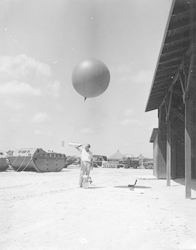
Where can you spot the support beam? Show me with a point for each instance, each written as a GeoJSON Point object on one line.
{"type": "Point", "coordinates": [178, 114]}
{"type": "Point", "coordinates": [168, 166]}
{"type": "Point", "coordinates": [183, 88]}
{"type": "Point", "coordinates": [188, 123]}
{"type": "Point", "coordinates": [189, 75]}
{"type": "Point", "coordinates": [169, 104]}
{"type": "Point", "coordinates": [171, 86]}
{"type": "Point", "coordinates": [189, 53]}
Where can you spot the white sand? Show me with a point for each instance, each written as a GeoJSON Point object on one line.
{"type": "Point", "coordinates": [48, 211]}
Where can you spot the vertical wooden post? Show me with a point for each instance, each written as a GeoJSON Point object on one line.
{"type": "Point", "coordinates": [168, 172]}
{"type": "Point", "coordinates": [173, 162]}
{"type": "Point", "coordinates": [188, 148]}
{"type": "Point", "coordinates": [162, 139]}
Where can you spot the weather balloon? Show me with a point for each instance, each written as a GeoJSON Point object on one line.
{"type": "Point", "coordinates": [90, 78]}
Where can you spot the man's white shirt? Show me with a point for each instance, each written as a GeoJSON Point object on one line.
{"type": "Point", "coordinates": [86, 156]}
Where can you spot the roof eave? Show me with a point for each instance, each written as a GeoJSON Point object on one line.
{"type": "Point", "coordinates": [160, 53]}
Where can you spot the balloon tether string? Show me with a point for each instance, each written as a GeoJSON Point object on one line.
{"type": "Point", "coordinates": [78, 120]}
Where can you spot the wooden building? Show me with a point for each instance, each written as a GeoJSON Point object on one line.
{"type": "Point", "coordinates": [159, 164]}
{"type": "Point", "coordinates": [173, 94]}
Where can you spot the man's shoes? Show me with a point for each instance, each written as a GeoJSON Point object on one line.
{"type": "Point", "coordinates": [90, 180]}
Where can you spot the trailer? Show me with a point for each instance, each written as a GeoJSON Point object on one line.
{"type": "Point", "coordinates": [36, 159]}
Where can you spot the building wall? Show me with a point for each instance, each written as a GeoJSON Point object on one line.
{"type": "Point", "coordinates": [155, 156]}
{"type": "Point", "coordinates": [178, 120]}
{"type": "Point", "coordinates": [178, 153]}
{"type": "Point", "coordinates": [162, 136]}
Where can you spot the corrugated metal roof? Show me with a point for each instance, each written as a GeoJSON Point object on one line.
{"type": "Point", "coordinates": [180, 32]}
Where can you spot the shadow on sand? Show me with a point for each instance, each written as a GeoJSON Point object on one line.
{"type": "Point", "coordinates": [181, 181]}
{"type": "Point", "coordinates": [94, 187]}
{"type": "Point", "coordinates": [66, 170]}
{"type": "Point", "coordinates": [140, 187]}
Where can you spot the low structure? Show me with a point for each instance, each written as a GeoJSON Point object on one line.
{"type": "Point", "coordinates": [159, 164]}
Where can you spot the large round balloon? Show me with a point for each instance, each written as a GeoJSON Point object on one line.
{"type": "Point", "coordinates": [90, 78]}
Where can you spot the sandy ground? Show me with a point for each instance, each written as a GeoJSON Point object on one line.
{"type": "Point", "coordinates": [48, 211]}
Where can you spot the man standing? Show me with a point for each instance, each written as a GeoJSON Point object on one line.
{"type": "Point", "coordinates": [86, 162]}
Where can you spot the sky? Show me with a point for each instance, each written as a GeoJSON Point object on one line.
{"type": "Point", "coordinates": [41, 41]}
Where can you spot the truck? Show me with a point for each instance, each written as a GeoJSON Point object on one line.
{"type": "Point", "coordinates": [148, 163]}
{"type": "Point", "coordinates": [99, 160]}
{"type": "Point", "coordinates": [130, 162]}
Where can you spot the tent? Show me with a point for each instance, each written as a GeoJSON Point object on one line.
{"type": "Point", "coordinates": [141, 157]}
{"type": "Point", "coordinates": [116, 156]}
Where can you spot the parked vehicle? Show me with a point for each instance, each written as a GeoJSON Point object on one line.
{"type": "Point", "coordinates": [121, 164]}
{"type": "Point", "coordinates": [36, 159]}
{"type": "Point", "coordinates": [135, 162]}
{"type": "Point", "coordinates": [70, 160]}
{"type": "Point", "coordinates": [148, 163]}
{"type": "Point", "coordinates": [99, 160]}
{"type": "Point", "coordinates": [3, 162]}
{"type": "Point", "coordinates": [130, 162]}
{"type": "Point", "coordinates": [77, 161]}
